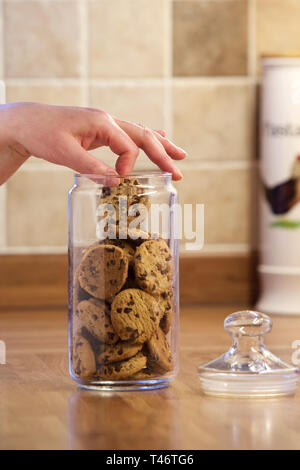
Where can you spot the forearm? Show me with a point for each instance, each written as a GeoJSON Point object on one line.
{"type": "Point", "coordinates": [12, 156]}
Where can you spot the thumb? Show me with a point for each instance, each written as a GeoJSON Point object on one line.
{"type": "Point", "coordinates": [78, 159]}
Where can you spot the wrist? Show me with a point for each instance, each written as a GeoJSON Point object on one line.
{"type": "Point", "coordinates": [10, 120]}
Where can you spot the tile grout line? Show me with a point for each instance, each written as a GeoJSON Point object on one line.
{"type": "Point", "coordinates": [217, 248]}
{"type": "Point", "coordinates": [209, 80]}
{"type": "Point", "coordinates": [2, 39]}
{"type": "Point", "coordinates": [252, 38]}
{"type": "Point", "coordinates": [83, 41]}
{"type": "Point", "coordinates": [43, 81]}
{"type": "Point", "coordinates": [3, 188]}
{"type": "Point", "coordinates": [217, 1]}
{"type": "Point", "coordinates": [93, 81]}
{"type": "Point", "coordinates": [168, 98]}
{"type": "Point", "coordinates": [66, 1]}
{"type": "Point", "coordinates": [48, 167]}
{"type": "Point", "coordinates": [209, 248]}
{"type": "Point", "coordinates": [24, 250]}
{"type": "Point", "coordinates": [42, 1]}
{"type": "Point", "coordinates": [214, 165]}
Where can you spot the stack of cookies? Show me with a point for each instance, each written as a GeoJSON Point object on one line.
{"type": "Point", "coordinates": [123, 304]}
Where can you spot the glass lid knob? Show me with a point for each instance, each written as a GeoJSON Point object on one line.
{"type": "Point", "coordinates": [247, 323]}
{"type": "Point", "coordinates": [248, 368]}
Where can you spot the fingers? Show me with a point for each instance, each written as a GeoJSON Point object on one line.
{"type": "Point", "coordinates": [152, 144]}
{"type": "Point", "coordinates": [121, 144]}
{"type": "Point", "coordinates": [161, 132]}
{"type": "Point", "coordinates": [157, 154]}
{"type": "Point", "coordinates": [125, 139]}
{"type": "Point", "coordinates": [175, 152]}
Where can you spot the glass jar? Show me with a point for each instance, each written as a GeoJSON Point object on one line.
{"type": "Point", "coordinates": [123, 281]}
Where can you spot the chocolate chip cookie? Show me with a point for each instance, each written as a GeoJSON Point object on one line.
{"type": "Point", "coordinates": [103, 271]}
{"type": "Point", "coordinates": [135, 315]}
{"type": "Point", "coordinates": [83, 360]}
{"type": "Point", "coordinates": [166, 303]}
{"type": "Point", "coordinates": [123, 369]}
{"type": "Point", "coordinates": [153, 266]}
{"type": "Point", "coordinates": [145, 374]}
{"type": "Point", "coordinates": [160, 357]}
{"type": "Point", "coordinates": [77, 293]}
{"type": "Point", "coordinates": [117, 352]}
{"type": "Point", "coordinates": [121, 198]}
{"type": "Point", "coordinates": [94, 315]}
{"type": "Point", "coordinates": [126, 247]}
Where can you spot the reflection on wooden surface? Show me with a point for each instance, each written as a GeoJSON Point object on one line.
{"type": "Point", "coordinates": [41, 408]}
{"type": "Point", "coordinates": [127, 420]}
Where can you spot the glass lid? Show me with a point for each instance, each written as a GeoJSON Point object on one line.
{"type": "Point", "coordinates": [248, 368]}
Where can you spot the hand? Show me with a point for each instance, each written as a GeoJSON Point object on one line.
{"type": "Point", "coordinates": [63, 135]}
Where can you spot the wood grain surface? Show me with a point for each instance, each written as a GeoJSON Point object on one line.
{"type": "Point", "coordinates": [41, 408]}
{"type": "Point", "coordinates": [41, 280]}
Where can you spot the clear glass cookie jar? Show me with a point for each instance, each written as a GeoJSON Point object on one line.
{"type": "Point", "coordinates": [123, 281]}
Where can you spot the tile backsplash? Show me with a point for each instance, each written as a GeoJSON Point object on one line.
{"type": "Point", "coordinates": [41, 39]}
{"type": "Point", "coordinates": [210, 38]}
{"type": "Point", "coordinates": [126, 38]}
{"type": "Point", "coordinates": [188, 66]}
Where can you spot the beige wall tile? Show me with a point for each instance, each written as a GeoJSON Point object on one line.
{"type": "Point", "coordinates": [215, 121]}
{"type": "Point", "coordinates": [210, 38]}
{"type": "Point", "coordinates": [41, 39]}
{"type": "Point", "coordinates": [64, 95]}
{"type": "Point", "coordinates": [226, 196]}
{"type": "Point", "coordinates": [277, 27]}
{"type": "Point", "coordinates": [141, 104]}
{"type": "Point", "coordinates": [34, 161]}
{"type": "Point", "coordinates": [127, 38]}
{"type": "Point", "coordinates": [137, 103]}
{"type": "Point", "coordinates": [37, 208]}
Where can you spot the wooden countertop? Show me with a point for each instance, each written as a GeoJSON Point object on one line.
{"type": "Point", "coordinates": [41, 408]}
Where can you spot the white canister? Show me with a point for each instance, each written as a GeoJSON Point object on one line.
{"type": "Point", "coordinates": [279, 267]}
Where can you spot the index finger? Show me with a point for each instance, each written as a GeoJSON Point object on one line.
{"type": "Point", "coordinates": [150, 142]}
{"type": "Point", "coordinates": [136, 131]}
